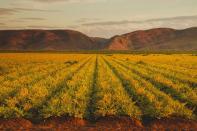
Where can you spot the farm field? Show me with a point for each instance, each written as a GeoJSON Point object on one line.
{"type": "Point", "coordinates": [90, 87]}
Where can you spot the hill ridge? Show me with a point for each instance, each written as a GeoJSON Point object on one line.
{"type": "Point", "coordinates": [65, 39]}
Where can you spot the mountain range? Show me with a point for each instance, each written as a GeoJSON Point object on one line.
{"type": "Point", "coordinates": [153, 39]}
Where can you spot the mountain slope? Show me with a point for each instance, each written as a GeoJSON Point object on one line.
{"type": "Point", "coordinates": [100, 42]}
{"type": "Point", "coordinates": [156, 39]}
{"type": "Point", "coordinates": [45, 40]}
{"type": "Point", "coordinates": [153, 39]}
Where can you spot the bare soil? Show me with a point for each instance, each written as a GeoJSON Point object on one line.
{"type": "Point", "coordinates": [106, 123]}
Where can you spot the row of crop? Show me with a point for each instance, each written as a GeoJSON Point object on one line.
{"type": "Point", "coordinates": [110, 97]}
{"type": "Point", "coordinates": [171, 86]}
{"type": "Point", "coordinates": [7, 67]}
{"type": "Point", "coordinates": [13, 68]}
{"type": "Point", "coordinates": [186, 61]}
{"type": "Point", "coordinates": [26, 75]}
{"type": "Point", "coordinates": [73, 99]}
{"type": "Point", "coordinates": [174, 76]}
{"type": "Point", "coordinates": [176, 69]}
{"type": "Point", "coordinates": [21, 70]}
{"type": "Point", "coordinates": [10, 87]}
{"type": "Point", "coordinates": [32, 96]}
{"type": "Point", "coordinates": [152, 102]}
{"type": "Point", "coordinates": [175, 63]}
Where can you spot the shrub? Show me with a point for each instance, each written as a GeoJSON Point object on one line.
{"type": "Point", "coordinates": [141, 62]}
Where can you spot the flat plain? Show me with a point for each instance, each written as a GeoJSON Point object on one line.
{"type": "Point", "coordinates": [91, 87]}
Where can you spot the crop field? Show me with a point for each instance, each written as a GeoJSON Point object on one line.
{"type": "Point", "coordinates": [91, 86]}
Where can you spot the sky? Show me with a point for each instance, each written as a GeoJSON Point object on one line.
{"type": "Point", "coordinates": [98, 18]}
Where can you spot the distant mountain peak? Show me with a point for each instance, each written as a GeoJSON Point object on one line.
{"type": "Point", "coordinates": [152, 39]}
{"type": "Point", "coordinates": [155, 39]}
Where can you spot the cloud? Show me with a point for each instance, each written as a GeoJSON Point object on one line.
{"type": "Point", "coordinates": [124, 22]}
{"type": "Point", "coordinates": [84, 20]}
{"type": "Point", "coordinates": [33, 18]}
{"type": "Point", "coordinates": [6, 27]}
{"type": "Point", "coordinates": [51, 0]}
{"type": "Point", "coordinates": [28, 19]}
{"type": "Point", "coordinates": [44, 27]}
{"type": "Point", "coordinates": [70, 1]}
{"type": "Point", "coordinates": [105, 32]}
{"type": "Point", "coordinates": [6, 11]}
{"type": "Point", "coordinates": [194, 17]}
{"type": "Point", "coordinates": [108, 23]}
{"type": "Point", "coordinates": [2, 23]}
{"type": "Point", "coordinates": [32, 9]}
{"type": "Point", "coordinates": [111, 28]}
{"type": "Point", "coordinates": [16, 21]}
{"type": "Point", "coordinates": [12, 11]}
{"type": "Point", "coordinates": [73, 26]}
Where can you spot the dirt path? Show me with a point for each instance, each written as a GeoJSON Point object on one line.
{"type": "Point", "coordinates": [108, 123]}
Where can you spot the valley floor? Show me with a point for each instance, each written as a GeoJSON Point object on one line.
{"type": "Point", "coordinates": [107, 91]}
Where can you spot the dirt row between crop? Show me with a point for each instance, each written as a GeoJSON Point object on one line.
{"type": "Point", "coordinates": [107, 123]}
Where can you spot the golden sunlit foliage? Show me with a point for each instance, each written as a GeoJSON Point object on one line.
{"type": "Point", "coordinates": [42, 85]}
